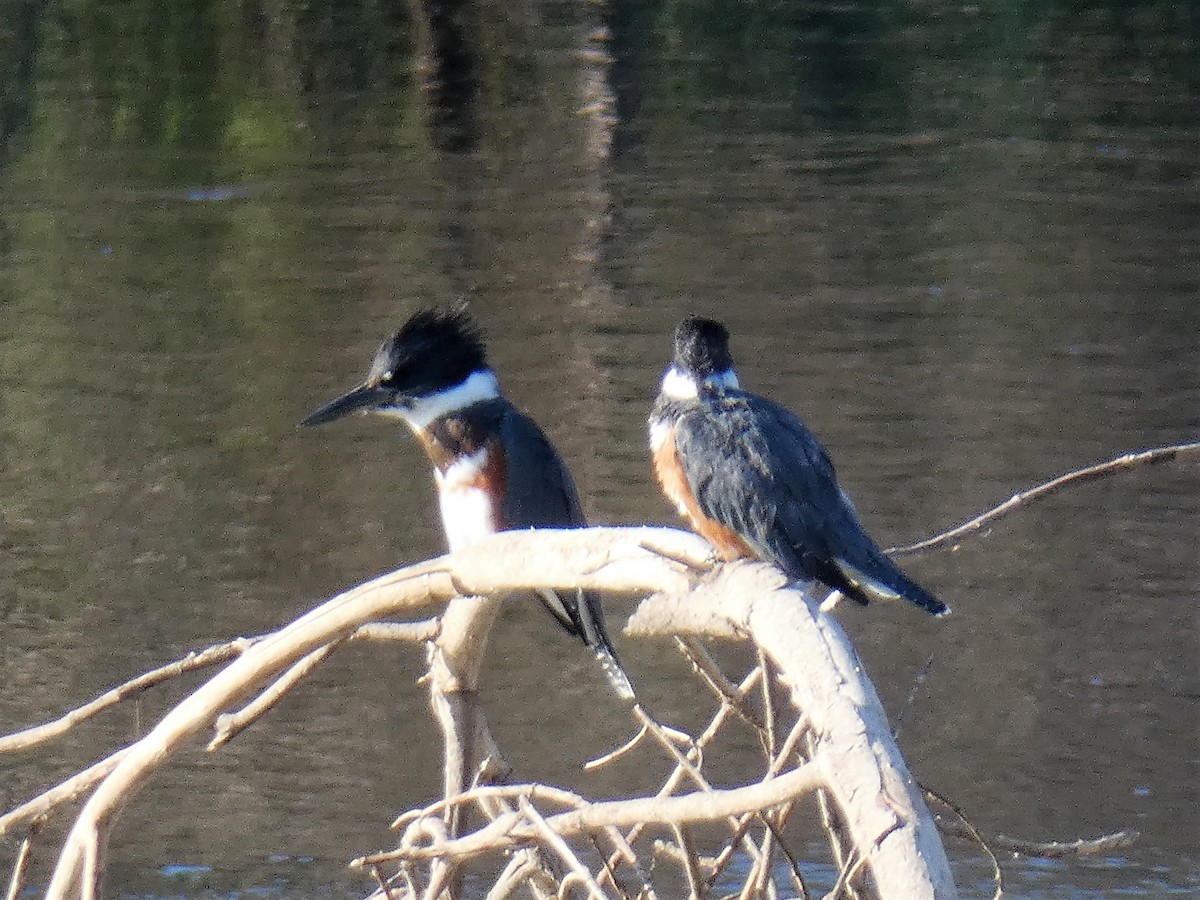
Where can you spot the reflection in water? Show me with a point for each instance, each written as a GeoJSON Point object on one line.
{"type": "Point", "coordinates": [961, 243]}
{"type": "Point", "coordinates": [451, 71]}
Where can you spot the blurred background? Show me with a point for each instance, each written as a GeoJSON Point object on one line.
{"type": "Point", "coordinates": [961, 240]}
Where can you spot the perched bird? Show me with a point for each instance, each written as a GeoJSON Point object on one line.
{"type": "Point", "coordinates": [754, 481]}
{"type": "Point", "coordinates": [494, 467]}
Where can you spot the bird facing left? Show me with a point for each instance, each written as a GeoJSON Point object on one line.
{"type": "Point", "coordinates": [494, 468]}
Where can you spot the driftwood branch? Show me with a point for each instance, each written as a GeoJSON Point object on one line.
{"type": "Point", "coordinates": [65, 792]}
{"type": "Point", "coordinates": [840, 730]}
{"type": "Point", "coordinates": [27, 738]}
{"type": "Point", "coordinates": [855, 751]}
{"type": "Point", "coordinates": [613, 559]}
{"type": "Point", "coordinates": [1106, 843]}
{"type": "Point", "coordinates": [855, 758]}
{"type": "Point", "coordinates": [39, 734]}
{"type": "Point", "coordinates": [1124, 463]}
{"type": "Point", "coordinates": [513, 830]}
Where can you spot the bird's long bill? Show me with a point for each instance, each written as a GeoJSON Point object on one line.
{"type": "Point", "coordinates": [362, 399]}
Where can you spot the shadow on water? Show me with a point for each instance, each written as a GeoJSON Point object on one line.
{"type": "Point", "coordinates": [961, 241]}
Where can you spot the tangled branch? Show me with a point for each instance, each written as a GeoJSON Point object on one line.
{"type": "Point", "coordinates": [836, 741]}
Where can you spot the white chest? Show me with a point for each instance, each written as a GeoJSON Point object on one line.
{"type": "Point", "coordinates": [467, 516]}
{"type": "Point", "coordinates": [468, 513]}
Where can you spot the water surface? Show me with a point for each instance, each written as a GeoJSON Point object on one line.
{"type": "Point", "coordinates": [963, 243]}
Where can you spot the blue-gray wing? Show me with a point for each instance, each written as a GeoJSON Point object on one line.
{"type": "Point", "coordinates": [540, 493]}
{"type": "Point", "coordinates": [755, 468]}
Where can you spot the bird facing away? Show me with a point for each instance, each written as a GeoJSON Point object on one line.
{"type": "Point", "coordinates": [494, 468]}
{"type": "Point", "coordinates": [754, 481]}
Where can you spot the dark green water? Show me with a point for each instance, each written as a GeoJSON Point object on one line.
{"type": "Point", "coordinates": [962, 241]}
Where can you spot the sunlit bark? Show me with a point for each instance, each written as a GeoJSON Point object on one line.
{"type": "Point", "coordinates": [856, 760]}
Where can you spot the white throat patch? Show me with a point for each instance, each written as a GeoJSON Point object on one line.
{"type": "Point", "coordinates": [681, 386]}
{"type": "Point", "coordinates": [475, 388]}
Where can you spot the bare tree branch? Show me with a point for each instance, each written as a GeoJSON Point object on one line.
{"type": "Point", "coordinates": [857, 763]}
{"type": "Point", "coordinates": [1106, 843]}
{"type": "Point", "coordinates": [1125, 463]}
{"type": "Point", "coordinates": [410, 632]}
{"type": "Point", "coordinates": [39, 734]}
{"type": "Point", "coordinates": [880, 800]}
{"type": "Point", "coordinates": [510, 831]}
{"type": "Point", "coordinates": [619, 560]}
{"type": "Point", "coordinates": [65, 792]}
{"type": "Point", "coordinates": [17, 881]}
{"type": "Point", "coordinates": [230, 725]}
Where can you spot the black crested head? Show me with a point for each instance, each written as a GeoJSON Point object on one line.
{"type": "Point", "coordinates": [702, 348]}
{"type": "Point", "coordinates": [434, 350]}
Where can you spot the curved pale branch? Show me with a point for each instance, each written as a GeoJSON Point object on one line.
{"type": "Point", "coordinates": [617, 559]}
{"type": "Point", "coordinates": [856, 755]}
{"type": "Point", "coordinates": [1124, 463]}
{"type": "Point", "coordinates": [27, 738]}
{"type": "Point", "coordinates": [856, 758]}
{"type": "Point", "coordinates": [513, 830]}
{"type": "Point", "coordinates": [64, 792]}
{"type": "Point", "coordinates": [39, 734]}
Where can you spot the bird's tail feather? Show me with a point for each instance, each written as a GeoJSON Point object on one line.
{"type": "Point", "coordinates": [890, 584]}
{"type": "Point", "coordinates": [591, 616]}
{"type": "Point", "coordinates": [585, 620]}
{"type": "Point", "coordinates": [616, 675]}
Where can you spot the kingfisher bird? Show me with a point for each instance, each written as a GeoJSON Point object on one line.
{"type": "Point", "coordinates": [494, 468]}
{"type": "Point", "coordinates": [752, 480]}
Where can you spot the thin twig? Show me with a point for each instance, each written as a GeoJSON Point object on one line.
{"type": "Point", "coordinates": [672, 851]}
{"type": "Point", "coordinates": [554, 840]}
{"type": "Point", "coordinates": [64, 792]}
{"type": "Point", "coordinates": [777, 765]}
{"type": "Point", "coordinates": [542, 792]}
{"type": "Point", "coordinates": [690, 862]}
{"type": "Point", "coordinates": [230, 725]}
{"type": "Point", "coordinates": [724, 711]}
{"type": "Point", "coordinates": [973, 833]}
{"type": "Point", "coordinates": [1123, 463]}
{"type": "Point", "coordinates": [383, 885]}
{"type": "Point", "coordinates": [16, 883]}
{"type": "Point", "coordinates": [410, 886]}
{"type": "Point", "coordinates": [791, 745]}
{"type": "Point", "coordinates": [607, 872]}
{"type": "Point", "coordinates": [785, 813]}
{"type": "Point", "coordinates": [752, 883]}
{"type": "Point", "coordinates": [1059, 849]}
{"type": "Point", "coordinates": [409, 632]}
{"type": "Point", "coordinates": [627, 854]}
{"type": "Point", "coordinates": [616, 754]}
{"type": "Point", "coordinates": [764, 727]}
{"type": "Point", "coordinates": [517, 871]}
{"type": "Point", "coordinates": [853, 865]}
{"type": "Point", "coordinates": [768, 736]}
{"type": "Point", "coordinates": [656, 730]}
{"type": "Point", "coordinates": [693, 769]}
{"type": "Point", "coordinates": [39, 734]}
{"type": "Point", "coordinates": [706, 667]}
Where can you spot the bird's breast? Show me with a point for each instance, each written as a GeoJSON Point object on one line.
{"type": "Point", "coordinates": [470, 495]}
{"type": "Point", "coordinates": [668, 468]}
